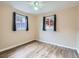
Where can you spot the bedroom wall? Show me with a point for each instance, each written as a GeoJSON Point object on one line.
{"type": "Point", "coordinates": [0, 26]}
{"type": "Point", "coordinates": [9, 38]}
{"type": "Point", "coordinates": [77, 29]}
{"type": "Point", "coordinates": [66, 28]}
{"type": "Point", "coordinates": [64, 36]}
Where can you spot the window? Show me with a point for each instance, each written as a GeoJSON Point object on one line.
{"type": "Point", "coordinates": [49, 23]}
{"type": "Point", "coordinates": [20, 22]}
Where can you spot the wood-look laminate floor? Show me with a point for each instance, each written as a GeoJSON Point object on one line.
{"type": "Point", "coordinates": [39, 50]}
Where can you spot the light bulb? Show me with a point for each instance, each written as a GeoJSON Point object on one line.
{"type": "Point", "coordinates": [36, 3]}
{"type": "Point", "coordinates": [36, 8]}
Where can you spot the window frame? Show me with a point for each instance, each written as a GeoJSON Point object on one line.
{"type": "Point", "coordinates": [14, 22]}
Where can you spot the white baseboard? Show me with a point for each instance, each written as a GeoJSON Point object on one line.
{"type": "Point", "coordinates": [37, 40]}
{"type": "Point", "coordinates": [10, 47]}
{"type": "Point", "coordinates": [57, 44]}
{"type": "Point", "coordinates": [77, 51]}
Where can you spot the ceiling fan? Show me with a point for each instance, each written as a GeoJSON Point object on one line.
{"type": "Point", "coordinates": [37, 5]}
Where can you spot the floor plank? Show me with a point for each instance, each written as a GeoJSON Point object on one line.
{"type": "Point", "coordinates": [39, 50]}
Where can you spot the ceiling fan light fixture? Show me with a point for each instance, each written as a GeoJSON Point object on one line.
{"type": "Point", "coordinates": [36, 5]}
{"type": "Point", "coordinates": [36, 8]}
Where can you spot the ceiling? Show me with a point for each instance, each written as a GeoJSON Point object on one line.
{"type": "Point", "coordinates": [45, 6]}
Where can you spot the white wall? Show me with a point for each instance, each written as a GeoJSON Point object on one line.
{"type": "Point", "coordinates": [64, 36]}
{"type": "Point", "coordinates": [0, 26]}
{"type": "Point", "coordinates": [66, 29]}
{"type": "Point", "coordinates": [77, 29]}
{"type": "Point", "coordinates": [9, 38]}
